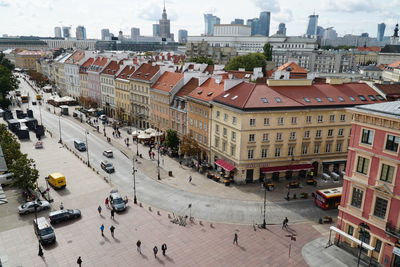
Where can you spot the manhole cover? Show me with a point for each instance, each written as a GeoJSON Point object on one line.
{"type": "Point", "coordinates": [208, 205]}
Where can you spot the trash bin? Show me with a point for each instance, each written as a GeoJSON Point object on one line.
{"type": "Point", "coordinates": [170, 173]}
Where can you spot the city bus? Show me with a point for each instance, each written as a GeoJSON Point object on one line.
{"type": "Point", "coordinates": [328, 198]}
{"type": "Point", "coordinates": [24, 98]}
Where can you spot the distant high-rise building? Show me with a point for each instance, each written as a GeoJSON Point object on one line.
{"type": "Point", "coordinates": [381, 32]}
{"type": "Point", "coordinates": [120, 35]}
{"type": "Point", "coordinates": [329, 34]}
{"type": "Point", "coordinates": [365, 34]}
{"type": "Point", "coordinates": [156, 29]}
{"type": "Point", "coordinates": [281, 29]}
{"type": "Point", "coordinates": [165, 30]}
{"type": "Point", "coordinates": [264, 22]}
{"type": "Point", "coordinates": [312, 25]}
{"type": "Point", "coordinates": [66, 32]}
{"type": "Point", "coordinates": [135, 32]}
{"type": "Point", "coordinates": [320, 31]}
{"type": "Point", "coordinates": [172, 36]}
{"type": "Point", "coordinates": [182, 36]}
{"type": "Point", "coordinates": [209, 21]}
{"type": "Point", "coordinates": [253, 23]}
{"type": "Point", "coordinates": [80, 33]}
{"type": "Point", "coordinates": [105, 34]}
{"type": "Point", "coordinates": [238, 22]}
{"type": "Point", "coordinates": [57, 32]}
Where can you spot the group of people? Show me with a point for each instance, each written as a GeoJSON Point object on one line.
{"type": "Point", "coordinates": [151, 154]}
{"type": "Point", "coordinates": [155, 248]}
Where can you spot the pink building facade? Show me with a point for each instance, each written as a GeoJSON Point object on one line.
{"type": "Point", "coordinates": [94, 88]}
{"type": "Point", "coordinates": [371, 187]}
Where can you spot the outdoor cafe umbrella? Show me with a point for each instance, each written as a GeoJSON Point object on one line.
{"type": "Point", "coordinates": [149, 130]}
{"type": "Point", "coordinates": [136, 133]}
{"type": "Point", "coordinates": [144, 136]}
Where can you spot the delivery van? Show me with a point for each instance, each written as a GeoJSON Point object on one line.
{"type": "Point", "coordinates": [57, 180]}
{"type": "Point", "coordinates": [44, 231]}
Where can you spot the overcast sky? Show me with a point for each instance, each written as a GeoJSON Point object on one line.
{"type": "Point", "coordinates": [39, 17]}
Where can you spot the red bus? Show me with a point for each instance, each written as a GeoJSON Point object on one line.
{"type": "Point", "coordinates": [328, 198]}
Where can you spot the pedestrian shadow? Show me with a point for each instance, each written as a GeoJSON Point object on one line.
{"type": "Point", "coordinates": [116, 240]}
{"type": "Point", "coordinates": [290, 230]}
{"type": "Point", "coordinates": [144, 256]}
{"type": "Point", "coordinates": [242, 248]}
{"type": "Point", "coordinates": [169, 259]}
{"type": "Point", "coordinates": [102, 216]}
{"type": "Point", "coordinates": [160, 261]}
{"type": "Point", "coordinates": [114, 220]}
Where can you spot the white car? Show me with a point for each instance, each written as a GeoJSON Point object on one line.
{"type": "Point", "coordinates": [103, 117]}
{"type": "Point", "coordinates": [108, 153]}
{"type": "Point", "coordinates": [29, 207]}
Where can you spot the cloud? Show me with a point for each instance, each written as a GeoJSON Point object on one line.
{"type": "Point", "coordinates": [285, 15]}
{"type": "Point", "coordinates": [268, 5]}
{"type": "Point", "coordinates": [4, 3]}
{"type": "Point", "coordinates": [351, 6]}
{"type": "Point", "coordinates": [153, 12]}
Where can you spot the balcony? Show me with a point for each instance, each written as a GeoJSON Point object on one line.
{"type": "Point", "coordinates": [392, 230]}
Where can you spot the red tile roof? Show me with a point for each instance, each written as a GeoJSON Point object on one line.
{"type": "Point", "coordinates": [208, 90]}
{"type": "Point", "coordinates": [145, 72]}
{"type": "Point", "coordinates": [292, 67]}
{"type": "Point", "coordinates": [191, 85]}
{"type": "Point", "coordinates": [240, 74]}
{"type": "Point", "coordinates": [167, 81]}
{"type": "Point", "coordinates": [209, 69]}
{"type": "Point", "coordinates": [98, 64]}
{"type": "Point", "coordinates": [126, 72]}
{"type": "Point", "coordinates": [395, 64]}
{"type": "Point", "coordinates": [369, 48]}
{"type": "Point", "coordinates": [85, 66]}
{"type": "Point", "coordinates": [261, 96]}
{"type": "Point", "coordinates": [112, 68]}
{"type": "Point", "coordinates": [75, 57]}
{"type": "Point", "coordinates": [389, 89]}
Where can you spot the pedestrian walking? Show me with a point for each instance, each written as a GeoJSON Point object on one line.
{"type": "Point", "coordinates": [79, 261]}
{"type": "Point", "coordinates": [155, 250]}
{"type": "Point", "coordinates": [235, 239]}
{"type": "Point", "coordinates": [112, 214]}
{"type": "Point", "coordinates": [285, 223]}
{"type": "Point", "coordinates": [138, 244]}
{"type": "Point", "coordinates": [106, 201]}
{"type": "Point", "coordinates": [190, 179]}
{"type": "Point", "coordinates": [102, 229]}
{"type": "Point", "coordinates": [61, 206]}
{"type": "Point", "coordinates": [180, 163]}
{"type": "Point", "coordinates": [112, 229]}
{"type": "Point", "coordinates": [99, 210]}
{"type": "Point", "coordinates": [164, 248]}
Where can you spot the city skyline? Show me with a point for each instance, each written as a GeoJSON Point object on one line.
{"type": "Point", "coordinates": [43, 16]}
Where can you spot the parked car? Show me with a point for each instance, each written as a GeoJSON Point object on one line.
{"type": "Point", "coordinates": [107, 166]}
{"type": "Point", "coordinates": [117, 203]}
{"type": "Point", "coordinates": [44, 231]}
{"type": "Point", "coordinates": [108, 153]}
{"type": "Point", "coordinates": [103, 117]}
{"type": "Point", "coordinates": [29, 207]}
{"type": "Point", "coordinates": [64, 215]}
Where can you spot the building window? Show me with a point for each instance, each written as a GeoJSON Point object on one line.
{"type": "Point", "coordinates": [318, 133]}
{"type": "Point", "coordinates": [225, 117]}
{"type": "Point", "coordinates": [216, 126]}
{"type": "Point", "coordinates": [340, 132]}
{"type": "Point", "coordinates": [250, 154]}
{"type": "Point", "coordinates": [378, 245]}
{"type": "Point", "coordinates": [233, 150]}
{"type": "Point", "coordinates": [233, 136]}
{"type": "Point", "coordinates": [316, 148]}
{"type": "Point", "coordinates": [356, 198]}
{"type": "Point", "coordinates": [224, 131]}
{"type": "Point", "coordinates": [234, 120]}
{"type": "Point", "coordinates": [216, 142]}
{"type": "Point", "coordinates": [328, 148]}
{"type": "Point", "coordinates": [224, 146]}
{"type": "Point", "coordinates": [320, 118]}
{"type": "Point", "coordinates": [304, 150]}
{"type": "Point", "coordinates": [387, 173]}
{"type": "Point", "coordinates": [251, 137]}
{"type": "Point", "coordinates": [392, 143]}
{"type": "Point", "coordinates": [290, 151]}
{"type": "Point", "coordinates": [252, 122]}
{"type": "Point", "coordinates": [362, 165]}
{"type": "Point", "coordinates": [350, 230]}
{"type": "Point", "coordinates": [265, 137]}
{"type": "Point", "coordinates": [367, 136]}
{"type": "Point", "coordinates": [307, 134]}
{"type": "Point", "coordinates": [278, 136]}
{"type": "Point", "coordinates": [339, 147]}
{"type": "Point", "coordinates": [308, 119]}
{"type": "Point", "coordinates": [280, 121]}
{"type": "Point", "coordinates": [218, 113]}
{"type": "Point", "coordinates": [264, 153]}
{"type": "Point", "coordinates": [332, 118]}
{"type": "Point", "coordinates": [330, 132]}
{"type": "Point", "coordinates": [380, 207]}
{"type": "Point", "coordinates": [343, 117]}
{"type": "Point", "coordinates": [294, 120]}
{"type": "Point", "coordinates": [277, 151]}
{"type": "Point", "coordinates": [292, 136]}
{"type": "Point", "coordinates": [266, 121]}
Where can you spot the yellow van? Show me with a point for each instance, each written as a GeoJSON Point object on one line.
{"type": "Point", "coordinates": [57, 180]}
{"type": "Point", "coordinates": [38, 97]}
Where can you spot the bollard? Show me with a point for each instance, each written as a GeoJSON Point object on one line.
{"type": "Point", "coordinates": [211, 225]}
{"type": "Point", "coordinates": [158, 213]}
{"type": "Point", "coordinates": [150, 209]}
{"type": "Point", "coordinates": [140, 205]}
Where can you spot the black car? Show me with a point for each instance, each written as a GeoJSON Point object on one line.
{"type": "Point", "coordinates": [63, 215]}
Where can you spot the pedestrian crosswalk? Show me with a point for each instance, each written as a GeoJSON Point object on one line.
{"type": "Point", "coordinates": [3, 198]}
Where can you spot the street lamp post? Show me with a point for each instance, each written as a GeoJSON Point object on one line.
{"type": "Point", "coordinates": [134, 180]}
{"type": "Point", "coordinates": [59, 126]}
{"type": "Point", "coordinates": [158, 159]}
{"type": "Point", "coordinates": [264, 224]}
{"type": "Point", "coordinates": [87, 148]}
{"type": "Point", "coordinates": [40, 113]}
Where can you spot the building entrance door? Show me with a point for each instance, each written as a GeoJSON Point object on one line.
{"type": "Point", "coordinates": [249, 175]}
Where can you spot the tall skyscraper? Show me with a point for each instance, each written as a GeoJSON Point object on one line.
{"type": "Point", "coordinates": [238, 22]}
{"type": "Point", "coordinates": [381, 31]}
{"type": "Point", "coordinates": [80, 33]}
{"type": "Point", "coordinates": [135, 32]}
{"type": "Point", "coordinates": [165, 30]}
{"type": "Point", "coordinates": [253, 23]}
{"type": "Point", "coordinates": [281, 29]}
{"type": "Point", "coordinates": [264, 22]}
{"type": "Point", "coordinates": [57, 32]}
{"type": "Point", "coordinates": [209, 21]}
{"type": "Point", "coordinates": [320, 31]}
{"type": "Point", "coordinates": [182, 36]}
{"type": "Point", "coordinates": [120, 36]}
{"type": "Point", "coordinates": [66, 32]}
{"type": "Point", "coordinates": [156, 29]}
{"type": "Point", "coordinates": [312, 25]}
{"type": "Point", "coordinates": [105, 35]}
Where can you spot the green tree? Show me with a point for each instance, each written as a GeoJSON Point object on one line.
{"type": "Point", "coordinates": [202, 60]}
{"type": "Point", "coordinates": [248, 62]}
{"type": "Point", "coordinates": [7, 81]}
{"type": "Point", "coordinates": [172, 140]}
{"type": "Point", "coordinates": [9, 145]}
{"type": "Point", "coordinates": [189, 146]}
{"type": "Point", "coordinates": [5, 62]}
{"type": "Point", "coordinates": [268, 51]}
{"type": "Point", "coordinates": [39, 79]}
{"type": "Point", "coordinates": [25, 174]}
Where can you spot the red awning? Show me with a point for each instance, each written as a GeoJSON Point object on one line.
{"type": "Point", "coordinates": [295, 167]}
{"type": "Point", "coordinates": [225, 165]}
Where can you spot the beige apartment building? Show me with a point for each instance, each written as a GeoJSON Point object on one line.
{"type": "Point", "coordinates": [123, 94]}
{"type": "Point", "coordinates": [280, 129]}
{"type": "Point", "coordinates": [83, 77]}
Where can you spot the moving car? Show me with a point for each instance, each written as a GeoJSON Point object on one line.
{"type": "Point", "coordinates": [64, 215]}
{"type": "Point", "coordinates": [81, 146]}
{"type": "Point", "coordinates": [44, 231]}
{"type": "Point", "coordinates": [103, 117]}
{"type": "Point", "coordinates": [108, 153]}
{"type": "Point", "coordinates": [57, 180]}
{"type": "Point", "coordinates": [117, 203]}
{"type": "Point", "coordinates": [107, 166]}
{"type": "Point", "coordinates": [29, 207]}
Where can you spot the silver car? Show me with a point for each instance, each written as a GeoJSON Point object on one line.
{"type": "Point", "coordinates": [29, 207]}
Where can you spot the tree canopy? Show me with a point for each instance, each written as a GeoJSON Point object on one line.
{"type": "Point", "coordinates": [267, 51]}
{"type": "Point", "coordinates": [189, 146]}
{"type": "Point", "coordinates": [172, 140]}
{"type": "Point", "coordinates": [248, 62]}
{"type": "Point", "coordinates": [5, 62]}
{"type": "Point", "coordinates": [202, 60]}
{"type": "Point", "coordinates": [39, 79]}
